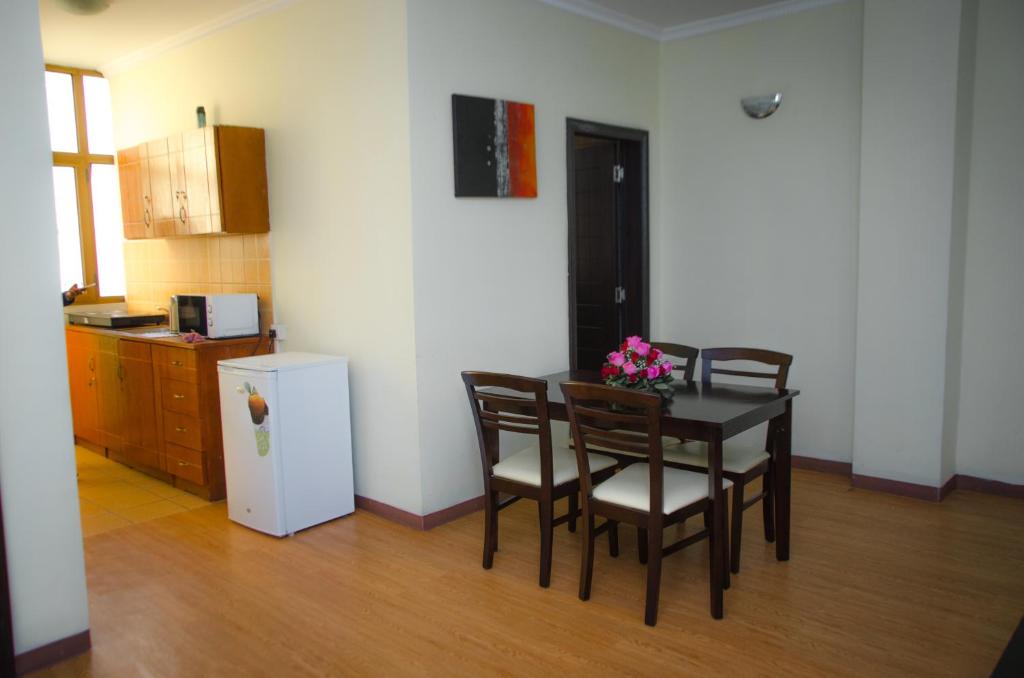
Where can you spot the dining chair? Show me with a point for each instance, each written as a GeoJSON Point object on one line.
{"type": "Point", "coordinates": [740, 464]}
{"type": "Point", "coordinates": [680, 370]}
{"type": "Point", "coordinates": [648, 495]}
{"type": "Point", "coordinates": [543, 472]}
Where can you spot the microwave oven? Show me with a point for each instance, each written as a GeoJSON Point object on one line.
{"type": "Point", "coordinates": [217, 316]}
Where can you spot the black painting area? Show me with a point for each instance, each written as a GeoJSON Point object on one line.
{"type": "Point", "coordinates": [475, 158]}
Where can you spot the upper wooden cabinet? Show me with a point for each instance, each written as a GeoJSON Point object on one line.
{"type": "Point", "coordinates": [208, 180]}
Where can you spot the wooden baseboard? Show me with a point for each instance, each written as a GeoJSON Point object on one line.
{"type": "Point", "coordinates": [432, 520]}
{"type": "Point", "coordinates": [843, 468]}
{"type": "Point", "coordinates": [899, 487]}
{"type": "Point", "coordinates": [974, 484]}
{"type": "Point", "coordinates": [956, 482]}
{"type": "Point", "coordinates": [51, 653]}
{"type": "Point", "coordinates": [418, 522]}
{"type": "Point", "coordinates": [395, 515]}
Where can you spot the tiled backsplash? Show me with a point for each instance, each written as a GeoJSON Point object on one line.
{"type": "Point", "coordinates": [156, 269]}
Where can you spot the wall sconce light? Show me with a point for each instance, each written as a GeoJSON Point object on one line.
{"type": "Point", "coordinates": [762, 107]}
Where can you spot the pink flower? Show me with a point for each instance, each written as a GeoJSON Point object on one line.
{"type": "Point", "coordinates": [666, 367]}
{"type": "Point", "coordinates": [643, 349]}
{"type": "Point", "coordinates": [629, 368]}
{"type": "Point", "coordinates": [653, 372]}
{"type": "Point", "coordinates": [616, 358]}
{"type": "Point", "coordinates": [633, 342]}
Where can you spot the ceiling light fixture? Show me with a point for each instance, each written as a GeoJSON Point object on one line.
{"type": "Point", "coordinates": [84, 7]}
{"type": "Point", "coordinates": [762, 107]}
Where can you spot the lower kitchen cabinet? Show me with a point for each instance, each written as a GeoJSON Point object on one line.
{"type": "Point", "coordinates": [139, 432]}
{"type": "Point", "coordinates": [153, 404]}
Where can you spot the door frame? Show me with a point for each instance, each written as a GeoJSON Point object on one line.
{"type": "Point", "coordinates": [574, 126]}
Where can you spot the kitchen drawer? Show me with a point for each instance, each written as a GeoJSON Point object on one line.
{"type": "Point", "coordinates": [181, 429]}
{"type": "Point", "coordinates": [175, 363]}
{"type": "Point", "coordinates": [134, 350]}
{"type": "Point", "coordinates": [180, 396]}
{"type": "Point", "coordinates": [185, 463]}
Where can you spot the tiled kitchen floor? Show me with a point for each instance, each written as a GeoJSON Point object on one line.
{"type": "Point", "coordinates": [111, 495]}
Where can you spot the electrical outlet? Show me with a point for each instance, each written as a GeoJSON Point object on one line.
{"type": "Point", "coordinates": [280, 331]}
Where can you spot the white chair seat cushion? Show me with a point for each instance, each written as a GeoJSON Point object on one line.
{"type": "Point", "coordinates": [665, 442]}
{"type": "Point", "coordinates": [734, 459]}
{"type": "Point", "coordinates": [524, 466]}
{"type": "Point", "coordinates": [631, 488]}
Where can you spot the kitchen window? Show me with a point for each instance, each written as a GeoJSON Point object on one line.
{"type": "Point", "coordinates": [85, 183]}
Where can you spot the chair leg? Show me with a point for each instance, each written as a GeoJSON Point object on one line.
{"type": "Point", "coordinates": [546, 511]}
{"type": "Point", "coordinates": [613, 539]}
{"type": "Point", "coordinates": [726, 578]}
{"type": "Point", "coordinates": [654, 540]}
{"type": "Point", "coordinates": [768, 505]}
{"type": "Point", "coordinates": [736, 531]}
{"type": "Point", "coordinates": [587, 557]}
{"type": "Point", "coordinates": [641, 545]}
{"type": "Point", "coordinates": [574, 506]}
{"type": "Point", "coordinates": [490, 529]}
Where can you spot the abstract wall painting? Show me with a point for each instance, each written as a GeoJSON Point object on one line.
{"type": "Point", "coordinates": [495, 152]}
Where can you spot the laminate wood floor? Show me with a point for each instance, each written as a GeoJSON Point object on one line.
{"type": "Point", "coordinates": [877, 586]}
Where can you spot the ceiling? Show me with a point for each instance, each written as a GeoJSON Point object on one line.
{"type": "Point", "coordinates": [132, 29]}
{"type": "Point", "coordinates": [668, 14]}
{"type": "Point", "coordinates": [126, 27]}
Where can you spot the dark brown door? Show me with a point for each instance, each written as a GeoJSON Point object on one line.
{"type": "Point", "coordinates": [607, 240]}
{"type": "Point", "coordinates": [597, 318]}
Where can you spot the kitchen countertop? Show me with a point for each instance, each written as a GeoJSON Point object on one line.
{"type": "Point", "coordinates": [159, 334]}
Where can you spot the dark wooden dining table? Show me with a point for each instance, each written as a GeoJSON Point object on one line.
{"type": "Point", "coordinates": [713, 413]}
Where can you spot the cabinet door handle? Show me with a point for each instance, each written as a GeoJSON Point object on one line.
{"type": "Point", "coordinates": [146, 218]}
{"type": "Point", "coordinates": [177, 363]}
{"type": "Point", "coordinates": [180, 429]}
{"type": "Point", "coordinates": [181, 214]}
{"type": "Point", "coordinates": [182, 463]}
{"type": "Point", "coordinates": [178, 396]}
{"type": "Point", "coordinates": [92, 364]}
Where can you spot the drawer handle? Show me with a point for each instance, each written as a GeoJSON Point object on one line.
{"type": "Point", "coordinates": [178, 396]}
{"type": "Point", "coordinates": [177, 363]}
{"type": "Point", "coordinates": [180, 429]}
{"type": "Point", "coordinates": [182, 463]}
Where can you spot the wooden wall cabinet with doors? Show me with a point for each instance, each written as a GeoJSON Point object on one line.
{"type": "Point", "coordinates": [207, 180]}
{"type": "Point", "coordinates": [153, 404]}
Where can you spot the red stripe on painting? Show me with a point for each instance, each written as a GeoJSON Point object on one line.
{"type": "Point", "coordinates": [522, 154]}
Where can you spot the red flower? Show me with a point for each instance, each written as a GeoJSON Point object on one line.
{"type": "Point", "coordinates": [632, 378]}
{"type": "Point", "coordinates": [654, 354]}
{"type": "Point", "coordinates": [614, 370]}
{"type": "Point", "coordinates": [635, 358]}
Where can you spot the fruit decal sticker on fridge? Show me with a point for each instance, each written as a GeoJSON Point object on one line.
{"type": "Point", "coordinates": [260, 413]}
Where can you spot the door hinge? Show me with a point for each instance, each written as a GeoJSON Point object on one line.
{"type": "Point", "coordinates": [620, 295]}
{"type": "Point", "coordinates": [618, 174]}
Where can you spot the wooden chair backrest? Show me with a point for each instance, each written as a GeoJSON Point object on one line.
{"type": "Point", "coordinates": [617, 419]}
{"type": "Point", "coordinates": [689, 353]}
{"type": "Point", "coordinates": [523, 411]}
{"type": "Point", "coordinates": [780, 361]}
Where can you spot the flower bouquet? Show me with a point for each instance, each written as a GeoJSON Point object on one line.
{"type": "Point", "coordinates": [638, 365]}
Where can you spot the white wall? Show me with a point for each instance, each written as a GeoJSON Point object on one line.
{"type": "Point", "coordinates": [756, 241]}
{"type": "Point", "coordinates": [37, 480]}
{"type": "Point", "coordinates": [958, 235]}
{"type": "Point", "coordinates": [490, 274]}
{"type": "Point", "coordinates": [327, 79]}
{"type": "Point", "coordinates": [991, 429]}
{"type": "Point", "coordinates": [908, 137]}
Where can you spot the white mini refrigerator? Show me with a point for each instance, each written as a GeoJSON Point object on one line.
{"type": "Point", "coordinates": [287, 440]}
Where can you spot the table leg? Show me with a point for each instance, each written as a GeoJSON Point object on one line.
{"type": "Point", "coordinates": [718, 530]}
{"type": "Point", "coordinates": [782, 476]}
